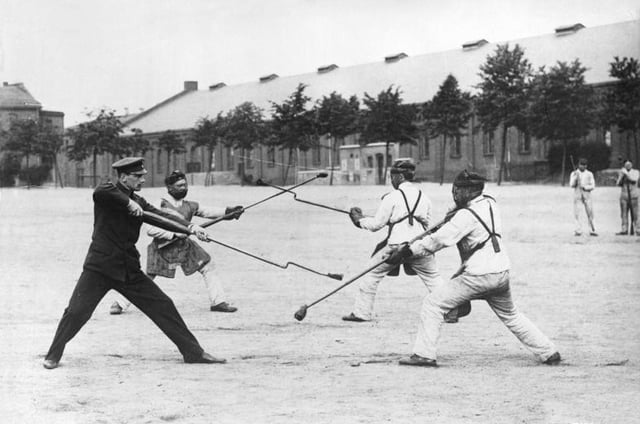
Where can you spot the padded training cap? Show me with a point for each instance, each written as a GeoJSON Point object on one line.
{"type": "Point", "coordinates": [174, 177]}
{"type": "Point", "coordinates": [469, 179]}
{"type": "Point", "coordinates": [403, 166]}
{"type": "Point", "coordinates": [130, 166]}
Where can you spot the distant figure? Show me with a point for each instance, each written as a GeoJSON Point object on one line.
{"type": "Point", "coordinates": [583, 183]}
{"type": "Point", "coordinates": [628, 182]}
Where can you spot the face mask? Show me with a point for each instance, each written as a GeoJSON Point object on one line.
{"type": "Point", "coordinates": [178, 193]}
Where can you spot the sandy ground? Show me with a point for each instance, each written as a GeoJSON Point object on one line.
{"type": "Point", "coordinates": [583, 292]}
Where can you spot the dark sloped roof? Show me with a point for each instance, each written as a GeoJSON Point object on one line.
{"type": "Point", "coordinates": [15, 96]}
{"type": "Point", "coordinates": [418, 77]}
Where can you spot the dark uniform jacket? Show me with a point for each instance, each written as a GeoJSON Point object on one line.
{"type": "Point", "coordinates": [113, 244]}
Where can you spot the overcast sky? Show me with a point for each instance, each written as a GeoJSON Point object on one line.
{"type": "Point", "coordinates": [81, 55]}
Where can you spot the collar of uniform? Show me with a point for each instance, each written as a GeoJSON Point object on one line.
{"type": "Point", "coordinates": [476, 199]}
{"type": "Point", "coordinates": [405, 184]}
{"type": "Point", "coordinates": [174, 202]}
{"type": "Point", "coordinates": [126, 190]}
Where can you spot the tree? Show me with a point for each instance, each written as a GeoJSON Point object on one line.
{"type": "Point", "coordinates": [293, 126]}
{"type": "Point", "coordinates": [388, 120]}
{"type": "Point", "coordinates": [503, 97]}
{"type": "Point", "coordinates": [132, 145]}
{"type": "Point", "coordinates": [245, 128]}
{"type": "Point", "coordinates": [26, 138]}
{"type": "Point", "coordinates": [95, 137]}
{"type": "Point", "coordinates": [562, 105]}
{"type": "Point", "coordinates": [337, 118]}
{"type": "Point", "coordinates": [447, 114]}
{"type": "Point", "coordinates": [623, 100]}
{"type": "Point", "coordinates": [208, 132]}
{"type": "Point", "coordinates": [171, 143]}
{"type": "Point", "coordinates": [23, 138]}
{"type": "Point", "coordinates": [49, 144]}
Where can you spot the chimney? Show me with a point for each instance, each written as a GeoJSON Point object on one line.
{"type": "Point", "coordinates": [191, 86]}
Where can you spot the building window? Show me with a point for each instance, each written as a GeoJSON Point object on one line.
{"type": "Point", "coordinates": [456, 149]}
{"type": "Point", "coordinates": [271, 157]}
{"type": "Point", "coordinates": [423, 147]}
{"type": "Point", "coordinates": [229, 152]}
{"type": "Point", "coordinates": [369, 161]}
{"type": "Point", "coordinates": [524, 142]}
{"type": "Point", "coordinates": [159, 161]}
{"type": "Point", "coordinates": [248, 158]}
{"type": "Point", "coordinates": [487, 143]}
{"type": "Point", "coordinates": [316, 156]}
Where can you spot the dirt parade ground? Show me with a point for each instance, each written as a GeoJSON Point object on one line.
{"type": "Point", "coordinates": [583, 292]}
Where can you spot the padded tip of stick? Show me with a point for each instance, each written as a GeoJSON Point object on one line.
{"type": "Point", "coordinates": [335, 276]}
{"type": "Point", "coordinates": [301, 313]}
{"type": "Point", "coordinates": [322, 175]}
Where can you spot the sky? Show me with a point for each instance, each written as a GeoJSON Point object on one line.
{"type": "Point", "coordinates": [78, 56]}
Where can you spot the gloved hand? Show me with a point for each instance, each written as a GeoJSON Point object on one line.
{"type": "Point", "coordinates": [234, 212]}
{"type": "Point", "coordinates": [134, 208]}
{"type": "Point", "coordinates": [198, 231]}
{"type": "Point", "coordinates": [399, 254]}
{"type": "Point", "coordinates": [356, 215]}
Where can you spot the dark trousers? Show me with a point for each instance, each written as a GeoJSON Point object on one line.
{"type": "Point", "coordinates": [139, 290]}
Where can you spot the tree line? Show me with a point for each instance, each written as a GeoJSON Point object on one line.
{"type": "Point", "coordinates": [553, 104]}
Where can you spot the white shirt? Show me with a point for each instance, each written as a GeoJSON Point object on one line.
{"type": "Point", "coordinates": [582, 180]}
{"type": "Point", "coordinates": [203, 212]}
{"type": "Point", "coordinates": [393, 209]}
{"type": "Point", "coordinates": [632, 176]}
{"type": "Point", "coordinates": [465, 227]}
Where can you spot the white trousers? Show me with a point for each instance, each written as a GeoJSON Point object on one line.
{"type": "Point", "coordinates": [425, 267]}
{"type": "Point", "coordinates": [211, 282]}
{"type": "Point", "coordinates": [494, 288]}
{"type": "Point", "coordinates": [580, 199]}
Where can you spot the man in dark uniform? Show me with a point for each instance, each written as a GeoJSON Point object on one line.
{"type": "Point", "coordinates": [114, 263]}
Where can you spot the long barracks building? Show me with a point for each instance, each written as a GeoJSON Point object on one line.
{"type": "Point", "coordinates": [418, 78]}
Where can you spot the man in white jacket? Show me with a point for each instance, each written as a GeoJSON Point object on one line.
{"type": "Point", "coordinates": [583, 183]}
{"type": "Point", "coordinates": [169, 250]}
{"type": "Point", "coordinates": [475, 227]}
{"type": "Point", "coordinates": [405, 212]}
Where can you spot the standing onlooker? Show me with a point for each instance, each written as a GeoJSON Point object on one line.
{"type": "Point", "coordinates": [583, 183]}
{"type": "Point", "coordinates": [628, 182]}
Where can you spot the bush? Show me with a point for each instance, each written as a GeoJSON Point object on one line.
{"type": "Point", "coordinates": [596, 153]}
{"type": "Point", "coordinates": [9, 168]}
{"type": "Point", "coordinates": [35, 175]}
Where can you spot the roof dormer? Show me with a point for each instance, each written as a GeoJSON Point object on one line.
{"type": "Point", "coordinates": [327, 68]}
{"type": "Point", "coordinates": [395, 57]}
{"type": "Point", "coordinates": [470, 45]}
{"type": "Point", "coordinates": [217, 86]}
{"type": "Point", "coordinates": [569, 29]}
{"type": "Point", "coordinates": [268, 78]}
